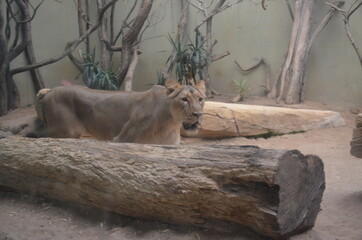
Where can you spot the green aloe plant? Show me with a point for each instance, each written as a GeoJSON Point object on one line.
{"type": "Point", "coordinates": [187, 59]}
{"type": "Point", "coordinates": [240, 87]}
{"type": "Point", "coordinates": [95, 77]}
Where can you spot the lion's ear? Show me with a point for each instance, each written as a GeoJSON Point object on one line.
{"type": "Point", "coordinates": [172, 88]}
{"type": "Point", "coordinates": [200, 86]}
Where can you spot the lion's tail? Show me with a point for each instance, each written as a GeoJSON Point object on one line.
{"type": "Point", "coordinates": [38, 107]}
{"type": "Point", "coordinates": [39, 130]}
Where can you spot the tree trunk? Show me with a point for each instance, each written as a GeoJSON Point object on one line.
{"type": "Point", "coordinates": [105, 56]}
{"type": "Point", "coordinates": [356, 143]}
{"type": "Point", "coordinates": [276, 193]}
{"type": "Point", "coordinates": [209, 47]}
{"type": "Point", "coordinates": [132, 67]}
{"type": "Point", "coordinates": [293, 72]}
{"type": "Point", "coordinates": [13, 94]}
{"type": "Point", "coordinates": [3, 92]}
{"type": "Point", "coordinates": [181, 29]}
{"type": "Point", "coordinates": [3, 59]}
{"type": "Point", "coordinates": [130, 38]}
{"type": "Point", "coordinates": [299, 65]}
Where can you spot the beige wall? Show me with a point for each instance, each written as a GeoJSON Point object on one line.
{"type": "Point", "coordinates": [53, 26]}
{"type": "Point", "coordinates": [246, 30]}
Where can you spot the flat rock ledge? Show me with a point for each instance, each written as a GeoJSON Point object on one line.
{"type": "Point", "coordinates": [239, 120]}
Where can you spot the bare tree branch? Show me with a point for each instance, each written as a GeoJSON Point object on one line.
{"type": "Point", "coordinates": [220, 56]}
{"type": "Point", "coordinates": [130, 38]}
{"type": "Point", "coordinates": [73, 59]}
{"type": "Point", "coordinates": [105, 55]}
{"type": "Point", "coordinates": [124, 23]}
{"type": "Point", "coordinates": [217, 9]}
{"type": "Point", "coordinates": [21, 4]}
{"type": "Point", "coordinates": [323, 23]}
{"type": "Point", "coordinates": [70, 49]}
{"type": "Point", "coordinates": [346, 15]}
{"type": "Point", "coordinates": [81, 16]}
{"type": "Point", "coordinates": [29, 50]}
{"type": "Point", "coordinates": [267, 74]}
{"type": "Point", "coordinates": [290, 9]}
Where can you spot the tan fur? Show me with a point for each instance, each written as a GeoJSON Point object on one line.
{"type": "Point", "coordinates": [154, 116]}
{"type": "Point", "coordinates": [38, 99]}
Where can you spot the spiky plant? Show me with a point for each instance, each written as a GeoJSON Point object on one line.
{"type": "Point", "coordinates": [187, 59]}
{"type": "Point", "coordinates": [95, 77]}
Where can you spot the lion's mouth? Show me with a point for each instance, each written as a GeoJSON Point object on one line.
{"type": "Point", "coordinates": [191, 126]}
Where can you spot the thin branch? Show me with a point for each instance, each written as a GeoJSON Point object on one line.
{"type": "Point", "coordinates": [197, 7]}
{"type": "Point", "coordinates": [70, 49]}
{"type": "Point", "coordinates": [87, 41]}
{"type": "Point", "coordinates": [21, 5]}
{"type": "Point", "coordinates": [125, 24]}
{"type": "Point", "coordinates": [217, 9]}
{"type": "Point", "coordinates": [247, 70]}
{"type": "Point", "coordinates": [220, 56]}
{"type": "Point", "coordinates": [14, 53]}
{"type": "Point", "coordinates": [346, 15]}
{"type": "Point", "coordinates": [149, 24]}
{"type": "Point", "coordinates": [80, 14]}
{"type": "Point", "coordinates": [335, 7]}
{"type": "Point", "coordinates": [267, 74]}
{"type": "Point", "coordinates": [351, 9]}
{"type": "Point", "coordinates": [110, 47]}
{"type": "Point", "coordinates": [150, 38]}
{"type": "Point", "coordinates": [323, 23]}
{"type": "Point", "coordinates": [290, 9]}
{"type": "Point", "coordinates": [73, 59]}
{"type": "Point", "coordinates": [111, 23]}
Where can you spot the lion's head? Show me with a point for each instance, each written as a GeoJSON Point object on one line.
{"type": "Point", "coordinates": [187, 103]}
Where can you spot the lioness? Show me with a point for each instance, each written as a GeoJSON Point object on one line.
{"type": "Point", "coordinates": [154, 116]}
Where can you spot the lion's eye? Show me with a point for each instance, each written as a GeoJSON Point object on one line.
{"type": "Point", "coordinates": [201, 99]}
{"type": "Point", "coordinates": [184, 99]}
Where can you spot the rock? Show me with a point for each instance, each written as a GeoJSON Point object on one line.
{"type": "Point", "coordinates": [18, 122]}
{"type": "Point", "coordinates": [237, 120]}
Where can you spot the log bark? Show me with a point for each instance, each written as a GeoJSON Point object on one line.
{"type": "Point", "coordinates": [276, 193]}
{"type": "Point", "coordinates": [356, 143]}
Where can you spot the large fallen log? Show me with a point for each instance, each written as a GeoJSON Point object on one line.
{"type": "Point", "coordinates": [276, 193]}
{"type": "Point", "coordinates": [356, 143]}
{"type": "Point", "coordinates": [237, 120]}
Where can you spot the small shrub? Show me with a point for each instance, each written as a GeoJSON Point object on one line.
{"type": "Point", "coordinates": [95, 77]}
{"type": "Point", "coordinates": [240, 87]}
{"type": "Point", "coordinates": [187, 59]}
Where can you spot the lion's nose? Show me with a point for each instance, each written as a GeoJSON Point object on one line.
{"type": "Point", "coordinates": [197, 114]}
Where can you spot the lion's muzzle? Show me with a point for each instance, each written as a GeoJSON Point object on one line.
{"type": "Point", "coordinates": [194, 123]}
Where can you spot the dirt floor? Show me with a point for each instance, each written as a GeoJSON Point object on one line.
{"type": "Point", "coordinates": [36, 218]}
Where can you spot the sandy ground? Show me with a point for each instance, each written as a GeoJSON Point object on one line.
{"type": "Point", "coordinates": [34, 218]}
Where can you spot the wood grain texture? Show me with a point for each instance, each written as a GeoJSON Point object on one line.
{"type": "Point", "coordinates": [276, 193]}
{"type": "Point", "coordinates": [356, 143]}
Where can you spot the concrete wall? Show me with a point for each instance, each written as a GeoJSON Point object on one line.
{"type": "Point", "coordinates": [53, 26]}
{"type": "Point", "coordinates": [246, 30]}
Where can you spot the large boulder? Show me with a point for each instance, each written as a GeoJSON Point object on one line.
{"type": "Point", "coordinates": [236, 120]}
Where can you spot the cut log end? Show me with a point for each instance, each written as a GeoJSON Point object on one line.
{"type": "Point", "coordinates": [276, 193]}
{"type": "Point", "coordinates": [301, 181]}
